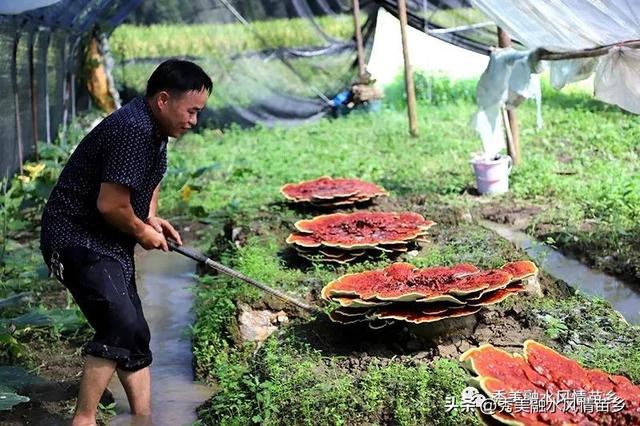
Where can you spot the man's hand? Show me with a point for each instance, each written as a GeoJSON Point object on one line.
{"type": "Point", "coordinates": [151, 239]}
{"type": "Point", "coordinates": [165, 228]}
{"type": "Point", "coordinates": [114, 203]}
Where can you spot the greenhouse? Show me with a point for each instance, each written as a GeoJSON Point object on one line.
{"type": "Point", "coordinates": [319, 212]}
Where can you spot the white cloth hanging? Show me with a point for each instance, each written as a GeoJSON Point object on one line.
{"type": "Point", "coordinates": [508, 80]}
{"type": "Point", "coordinates": [573, 25]}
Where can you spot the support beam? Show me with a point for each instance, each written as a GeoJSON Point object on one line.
{"type": "Point", "coordinates": [47, 102]}
{"type": "Point", "coordinates": [16, 98]}
{"type": "Point", "coordinates": [359, 44]}
{"type": "Point", "coordinates": [511, 119]}
{"type": "Point", "coordinates": [34, 95]}
{"type": "Point", "coordinates": [408, 75]}
{"type": "Point", "coordinates": [74, 63]}
{"type": "Point", "coordinates": [65, 88]}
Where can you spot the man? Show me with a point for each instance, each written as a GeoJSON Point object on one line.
{"type": "Point", "coordinates": [105, 202]}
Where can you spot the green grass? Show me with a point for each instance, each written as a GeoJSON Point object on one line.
{"type": "Point", "coordinates": [238, 80]}
{"type": "Point", "coordinates": [236, 175]}
{"type": "Point", "coordinates": [591, 333]}
{"type": "Point", "coordinates": [290, 379]}
{"type": "Point", "coordinates": [233, 178]}
{"type": "Point", "coordinates": [297, 383]}
{"type": "Point", "coordinates": [162, 40]}
{"type": "Point", "coordinates": [602, 161]}
{"type": "Point", "coordinates": [582, 166]}
{"type": "Point", "coordinates": [37, 316]}
{"type": "Point", "coordinates": [246, 169]}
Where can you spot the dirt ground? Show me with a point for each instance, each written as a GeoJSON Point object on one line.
{"type": "Point", "coordinates": [503, 327]}
{"type": "Point", "coordinates": [415, 343]}
{"type": "Point", "coordinates": [60, 365]}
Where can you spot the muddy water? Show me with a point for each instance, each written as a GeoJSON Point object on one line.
{"type": "Point", "coordinates": [164, 281]}
{"type": "Point", "coordinates": [623, 297]}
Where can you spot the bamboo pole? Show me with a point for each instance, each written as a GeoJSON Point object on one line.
{"type": "Point", "coordinates": [511, 119]}
{"type": "Point", "coordinates": [359, 44]}
{"type": "Point", "coordinates": [408, 75]}
{"type": "Point", "coordinates": [546, 55]}
{"type": "Point", "coordinates": [507, 130]}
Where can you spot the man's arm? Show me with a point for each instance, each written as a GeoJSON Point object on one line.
{"type": "Point", "coordinates": [114, 203]}
{"type": "Point", "coordinates": [153, 207]}
{"type": "Point", "coordinates": [159, 224]}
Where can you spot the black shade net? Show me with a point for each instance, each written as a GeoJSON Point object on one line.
{"type": "Point", "coordinates": [39, 51]}
{"type": "Point", "coordinates": [272, 62]}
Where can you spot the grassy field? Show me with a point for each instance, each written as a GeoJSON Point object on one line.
{"type": "Point", "coordinates": [581, 170]}
{"type": "Point", "coordinates": [230, 54]}
{"type": "Point", "coordinates": [129, 41]}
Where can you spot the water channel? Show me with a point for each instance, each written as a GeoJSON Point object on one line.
{"type": "Point", "coordinates": [164, 283]}
{"type": "Point", "coordinates": [625, 298]}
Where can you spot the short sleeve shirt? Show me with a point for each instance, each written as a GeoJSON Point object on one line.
{"type": "Point", "coordinates": [126, 148]}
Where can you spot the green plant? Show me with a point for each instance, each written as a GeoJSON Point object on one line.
{"type": "Point", "coordinates": [215, 40]}
{"type": "Point", "coordinates": [108, 409]}
{"type": "Point", "coordinates": [555, 327]}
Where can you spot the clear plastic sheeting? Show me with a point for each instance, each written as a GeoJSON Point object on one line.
{"type": "Point", "coordinates": [453, 21]}
{"type": "Point", "coordinates": [570, 71]}
{"type": "Point", "coordinates": [616, 79]}
{"type": "Point", "coordinates": [565, 25]}
{"type": "Point", "coordinates": [575, 25]}
{"type": "Point", "coordinates": [16, 7]}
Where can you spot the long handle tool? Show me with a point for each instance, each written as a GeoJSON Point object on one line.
{"type": "Point", "coordinates": [198, 257]}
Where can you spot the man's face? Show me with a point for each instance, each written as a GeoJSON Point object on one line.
{"type": "Point", "coordinates": [179, 112]}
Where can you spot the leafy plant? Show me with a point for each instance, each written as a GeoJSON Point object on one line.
{"type": "Point", "coordinates": [9, 398]}
{"type": "Point", "coordinates": [108, 409]}
{"type": "Point", "coordinates": [555, 327]}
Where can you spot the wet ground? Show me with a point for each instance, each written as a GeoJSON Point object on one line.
{"type": "Point", "coordinates": [624, 297]}
{"type": "Point", "coordinates": [164, 283]}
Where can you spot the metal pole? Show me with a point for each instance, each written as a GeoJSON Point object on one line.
{"type": "Point", "coordinates": [408, 75]}
{"type": "Point", "coordinates": [47, 106]}
{"type": "Point", "coordinates": [199, 257]}
{"type": "Point", "coordinates": [359, 44]}
{"type": "Point", "coordinates": [513, 142]}
{"type": "Point", "coordinates": [74, 53]}
{"type": "Point", "coordinates": [32, 86]}
{"type": "Point", "coordinates": [16, 98]}
{"type": "Point", "coordinates": [65, 88]}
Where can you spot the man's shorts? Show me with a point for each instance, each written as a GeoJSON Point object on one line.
{"type": "Point", "coordinates": [110, 304]}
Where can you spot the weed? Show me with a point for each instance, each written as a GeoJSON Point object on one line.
{"type": "Point", "coordinates": [109, 409]}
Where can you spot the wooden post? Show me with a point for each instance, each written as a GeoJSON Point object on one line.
{"type": "Point", "coordinates": [359, 44]}
{"type": "Point", "coordinates": [408, 75]}
{"type": "Point", "coordinates": [513, 142]}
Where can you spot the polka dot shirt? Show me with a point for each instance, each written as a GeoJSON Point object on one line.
{"type": "Point", "coordinates": [126, 148]}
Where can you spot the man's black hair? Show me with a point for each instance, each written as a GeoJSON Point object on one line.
{"type": "Point", "coordinates": [178, 76]}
